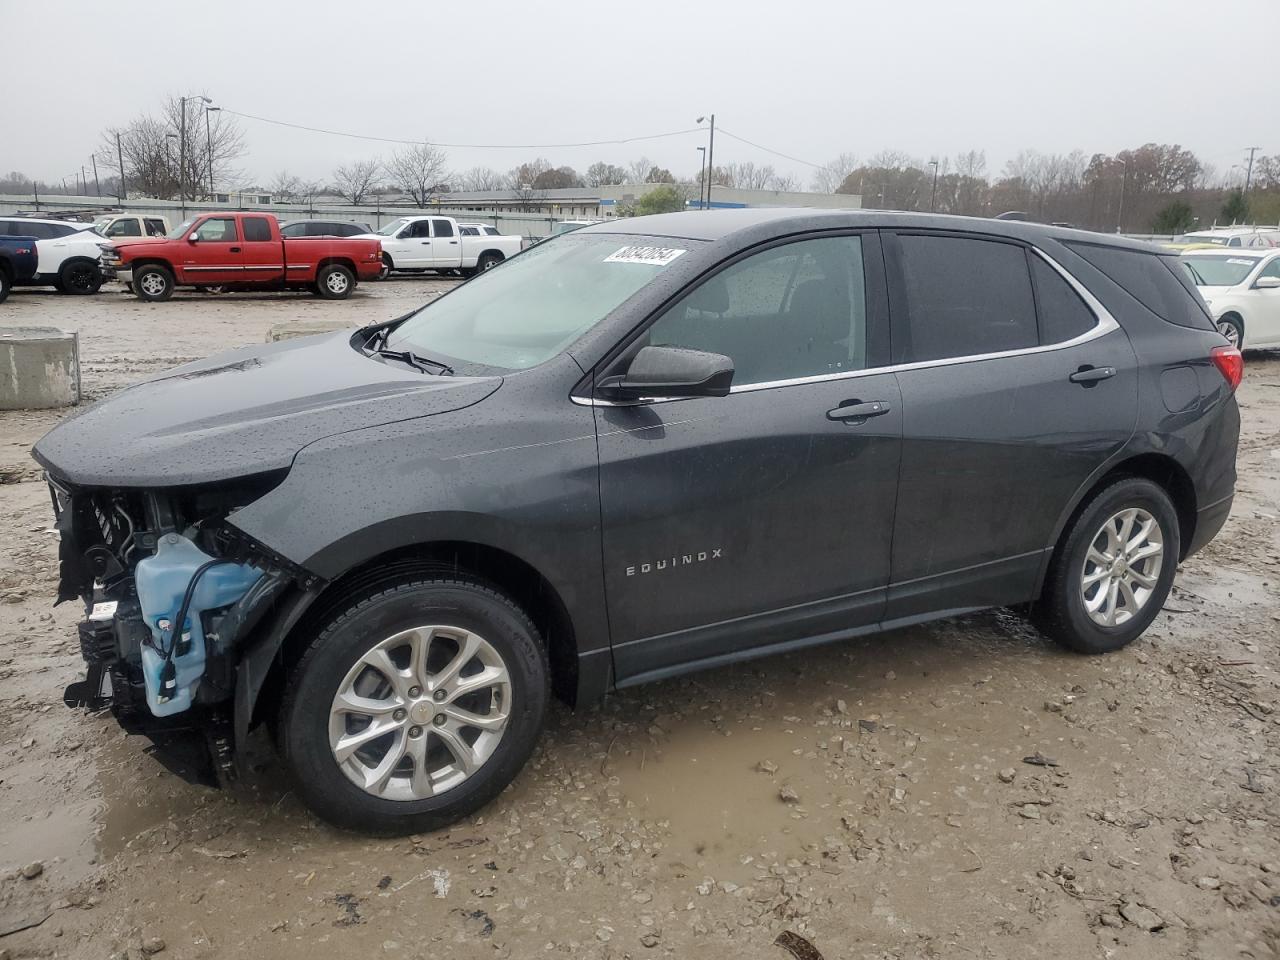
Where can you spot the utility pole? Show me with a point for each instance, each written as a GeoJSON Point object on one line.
{"type": "Point", "coordinates": [182, 159]}
{"type": "Point", "coordinates": [1248, 177]}
{"type": "Point", "coordinates": [209, 141]}
{"type": "Point", "coordinates": [702, 176]}
{"type": "Point", "coordinates": [1124, 175]}
{"type": "Point", "coordinates": [97, 184]}
{"type": "Point", "coordinates": [933, 197]}
{"type": "Point", "coordinates": [120, 190]}
{"type": "Point", "coordinates": [711, 154]}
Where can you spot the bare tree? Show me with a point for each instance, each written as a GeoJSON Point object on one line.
{"type": "Point", "coordinates": [523, 181]}
{"type": "Point", "coordinates": [210, 144]}
{"type": "Point", "coordinates": [284, 187]}
{"type": "Point", "coordinates": [786, 183]}
{"type": "Point", "coordinates": [481, 179]}
{"type": "Point", "coordinates": [605, 175]}
{"type": "Point", "coordinates": [749, 176]}
{"type": "Point", "coordinates": [150, 157]}
{"type": "Point", "coordinates": [355, 181]}
{"type": "Point", "coordinates": [418, 170]}
{"type": "Point", "coordinates": [638, 169]}
{"type": "Point", "coordinates": [831, 174]}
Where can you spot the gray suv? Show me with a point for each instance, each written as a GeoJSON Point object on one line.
{"type": "Point", "coordinates": [651, 446]}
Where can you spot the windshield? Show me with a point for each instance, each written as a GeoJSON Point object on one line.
{"type": "Point", "coordinates": [1218, 271]}
{"type": "Point", "coordinates": [100, 224]}
{"type": "Point", "coordinates": [1201, 238]}
{"type": "Point", "coordinates": [392, 228]}
{"type": "Point", "coordinates": [533, 306]}
{"type": "Point", "coordinates": [177, 232]}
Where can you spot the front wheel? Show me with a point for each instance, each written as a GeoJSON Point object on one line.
{"type": "Point", "coordinates": [1113, 569]}
{"type": "Point", "coordinates": [153, 282]}
{"type": "Point", "coordinates": [414, 707]}
{"type": "Point", "coordinates": [1232, 327]}
{"type": "Point", "coordinates": [335, 282]}
{"type": "Point", "coordinates": [79, 277]}
{"type": "Point", "coordinates": [387, 266]}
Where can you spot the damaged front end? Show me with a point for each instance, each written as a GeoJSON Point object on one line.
{"type": "Point", "coordinates": [173, 595]}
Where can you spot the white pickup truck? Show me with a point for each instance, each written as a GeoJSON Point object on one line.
{"type": "Point", "coordinates": [436, 243]}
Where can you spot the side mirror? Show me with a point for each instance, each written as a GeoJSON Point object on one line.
{"type": "Point", "coordinates": [193, 236]}
{"type": "Point", "coordinates": [672, 372]}
{"type": "Point", "coordinates": [1266, 283]}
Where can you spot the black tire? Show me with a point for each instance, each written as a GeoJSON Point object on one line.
{"type": "Point", "coordinates": [6, 284]}
{"type": "Point", "coordinates": [1061, 612]}
{"type": "Point", "coordinates": [79, 277]}
{"type": "Point", "coordinates": [152, 282]}
{"type": "Point", "coordinates": [1231, 326]}
{"type": "Point", "coordinates": [387, 266]}
{"type": "Point", "coordinates": [303, 731]}
{"type": "Point", "coordinates": [335, 282]}
{"type": "Point", "coordinates": [488, 261]}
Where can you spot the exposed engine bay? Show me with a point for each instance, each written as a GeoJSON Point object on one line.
{"type": "Point", "coordinates": [171, 593]}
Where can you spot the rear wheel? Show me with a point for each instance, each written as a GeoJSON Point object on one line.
{"type": "Point", "coordinates": [153, 282]}
{"type": "Point", "coordinates": [1232, 327]}
{"type": "Point", "coordinates": [1113, 570]}
{"type": "Point", "coordinates": [80, 277]}
{"type": "Point", "coordinates": [6, 284]}
{"type": "Point", "coordinates": [414, 707]}
{"type": "Point", "coordinates": [387, 266]}
{"type": "Point", "coordinates": [335, 282]}
{"type": "Point", "coordinates": [488, 261]}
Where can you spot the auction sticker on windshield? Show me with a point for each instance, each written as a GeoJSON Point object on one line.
{"type": "Point", "coordinates": [654, 256]}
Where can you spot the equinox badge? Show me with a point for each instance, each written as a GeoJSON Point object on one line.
{"type": "Point", "coordinates": [683, 560]}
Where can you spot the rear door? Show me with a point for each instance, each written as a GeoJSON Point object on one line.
{"type": "Point", "coordinates": [1016, 386]}
{"type": "Point", "coordinates": [445, 246]}
{"type": "Point", "coordinates": [215, 255]}
{"type": "Point", "coordinates": [264, 254]}
{"type": "Point", "coordinates": [752, 520]}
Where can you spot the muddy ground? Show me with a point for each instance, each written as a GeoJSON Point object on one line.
{"type": "Point", "coordinates": [872, 797]}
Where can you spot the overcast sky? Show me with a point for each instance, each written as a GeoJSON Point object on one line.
{"type": "Point", "coordinates": [809, 79]}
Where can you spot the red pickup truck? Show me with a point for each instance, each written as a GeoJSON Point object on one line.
{"type": "Point", "coordinates": [240, 251]}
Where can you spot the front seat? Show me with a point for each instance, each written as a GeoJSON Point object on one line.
{"type": "Point", "coordinates": [820, 319]}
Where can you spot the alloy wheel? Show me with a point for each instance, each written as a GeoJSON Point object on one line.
{"type": "Point", "coordinates": [152, 284]}
{"type": "Point", "coordinates": [1122, 567]}
{"type": "Point", "coordinates": [420, 712]}
{"type": "Point", "coordinates": [80, 277]}
{"type": "Point", "coordinates": [1230, 331]}
{"type": "Point", "coordinates": [337, 282]}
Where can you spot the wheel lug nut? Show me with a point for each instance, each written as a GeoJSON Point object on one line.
{"type": "Point", "coordinates": [415, 691]}
{"type": "Point", "coordinates": [439, 695]}
{"type": "Point", "coordinates": [398, 715]}
{"type": "Point", "coordinates": [415, 732]}
{"type": "Point", "coordinates": [439, 720]}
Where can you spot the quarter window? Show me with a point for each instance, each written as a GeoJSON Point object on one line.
{"type": "Point", "coordinates": [1063, 315]}
{"type": "Point", "coordinates": [1157, 282]}
{"type": "Point", "coordinates": [156, 228]}
{"type": "Point", "coordinates": [1272, 269]}
{"type": "Point", "coordinates": [798, 310]}
{"type": "Point", "coordinates": [965, 297]}
{"type": "Point", "coordinates": [256, 230]}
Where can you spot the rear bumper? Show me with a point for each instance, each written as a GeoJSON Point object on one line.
{"type": "Point", "coordinates": [1209, 521]}
{"type": "Point", "coordinates": [369, 271]}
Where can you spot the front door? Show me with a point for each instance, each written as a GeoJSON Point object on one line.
{"type": "Point", "coordinates": [214, 253]}
{"type": "Point", "coordinates": [414, 251]}
{"type": "Point", "coordinates": [1016, 387]}
{"type": "Point", "coordinates": [760, 518]}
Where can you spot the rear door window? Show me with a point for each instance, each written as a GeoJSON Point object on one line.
{"type": "Point", "coordinates": [964, 297]}
{"type": "Point", "coordinates": [156, 228]}
{"type": "Point", "coordinates": [1157, 282]}
{"type": "Point", "coordinates": [294, 230]}
{"type": "Point", "coordinates": [256, 230]}
{"type": "Point", "coordinates": [442, 228]}
{"type": "Point", "coordinates": [1063, 315]}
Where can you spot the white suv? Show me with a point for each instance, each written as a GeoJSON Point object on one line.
{"type": "Point", "coordinates": [67, 253]}
{"type": "Point", "coordinates": [1242, 289]}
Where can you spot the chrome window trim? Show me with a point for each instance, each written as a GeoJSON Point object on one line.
{"type": "Point", "coordinates": [1105, 324]}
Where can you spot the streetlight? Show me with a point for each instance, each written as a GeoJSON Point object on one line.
{"type": "Point", "coordinates": [209, 145]}
{"type": "Point", "coordinates": [182, 150]}
{"type": "Point", "coordinates": [702, 176]}
{"type": "Point", "coordinates": [933, 197]}
{"type": "Point", "coordinates": [168, 155]}
{"type": "Point", "coordinates": [711, 153]}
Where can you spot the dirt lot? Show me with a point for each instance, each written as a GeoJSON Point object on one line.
{"type": "Point", "coordinates": [874, 797]}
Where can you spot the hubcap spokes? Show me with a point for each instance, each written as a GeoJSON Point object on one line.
{"type": "Point", "coordinates": [420, 712]}
{"type": "Point", "coordinates": [153, 284]}
{"type": "Point", "coordinates": [1122, 567]}
{"type": "Point", "coordinates": [1229, 331]}
{"type": "Point", "coordinates": [337, 282]}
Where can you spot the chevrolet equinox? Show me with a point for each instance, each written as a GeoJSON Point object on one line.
{"type": "Point", "coordinates": [650, 446]}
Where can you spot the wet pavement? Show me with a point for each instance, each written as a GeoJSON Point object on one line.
{"type": "Point", "coordinates": [873, 797]}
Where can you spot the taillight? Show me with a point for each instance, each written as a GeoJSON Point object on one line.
{"type": "Point", "coordinates": [1230, 363]}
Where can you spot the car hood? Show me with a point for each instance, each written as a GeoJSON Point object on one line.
{"type": "Point", "coordinates": [243, 412]}
{"type": "Point", "coordinates": [124, 242]}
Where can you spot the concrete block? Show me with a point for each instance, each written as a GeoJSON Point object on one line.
{"type": "Point", "coordinates": [306, 328]}
{"type": "Point", "coordinates": [39, 368]}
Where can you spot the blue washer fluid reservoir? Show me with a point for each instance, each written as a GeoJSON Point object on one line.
{"type": "Point", "coordinates": [162, 581]}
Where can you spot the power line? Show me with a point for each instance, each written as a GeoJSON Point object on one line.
{"type": "Point", "coordinates": [776, 153]}
{"type": "Point", "coordinates": [461, 146]}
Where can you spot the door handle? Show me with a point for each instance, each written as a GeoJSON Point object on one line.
{"type": "Point", "coordinates": [235, 249]}
{"type": "Point", "coordinates": [425, 242]}
{"type": "Point", "coordinates": [1088, 376]}
{"type": "Point", "coordinates": [857, 410]}
{"type": "Point", "coordinates": [454, 242]}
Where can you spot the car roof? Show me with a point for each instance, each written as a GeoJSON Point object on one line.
{"type": "Point", "coordinates": [1220, 251]}
{"type": "Point", "coordinates": [82, 224]}
{"type": "Point", "coordinates": [760, 223]}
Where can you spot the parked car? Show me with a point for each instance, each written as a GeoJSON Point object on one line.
{"type": "Point", "coordinates": [242, 251]}
{"type": "Point", "coordinates": [1233, 237]}
{"type": "Point", "coordinates": [435, 243]}
{"type": "Point", "coordinates": [1242, 290]}
{"type": "Point", "coordinates": [17, 262]}
{"type": "Point", "coordinates": [478, 230]}
{"type": "Point", "coordinates": [131, 225]}
{"type": "Point", "coordinates": [647, 447]}
{"type": "Point", "coordinates": [323, 228]}
{"type": "Point", "coordinates": [67, 253]}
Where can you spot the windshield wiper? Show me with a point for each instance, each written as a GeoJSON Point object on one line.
{"type": "Point", "coordinates": [425, 364]}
